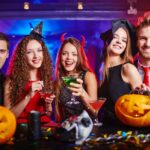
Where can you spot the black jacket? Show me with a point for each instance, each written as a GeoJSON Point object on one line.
{"type": "Point", "coordinates": [2, 79]}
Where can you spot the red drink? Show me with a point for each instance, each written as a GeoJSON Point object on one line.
{"type": "Point", "coordinates": [45, 95]}
{"type": "Point", "coordinates": [97, 104]}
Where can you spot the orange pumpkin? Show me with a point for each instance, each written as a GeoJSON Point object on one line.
{"type": "Point", "coordinates": [133, 110]}
{"type": "Point", "coordinates": [7, 124]}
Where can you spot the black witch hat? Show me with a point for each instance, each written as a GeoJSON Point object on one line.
{"type": "Point", "coordinates": [107, 36]}
{"type": "Point", "coordinates": [37, 31]}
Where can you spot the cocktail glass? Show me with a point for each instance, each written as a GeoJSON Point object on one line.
{"type": "Point", "coordinates": [45, 95]}
{"type": "Point", "coordinates": [97, 106]}
{"type": "Point", "coordinates": [67, 80]}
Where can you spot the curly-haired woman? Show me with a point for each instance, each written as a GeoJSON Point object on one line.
{"type": "Point", "coordinates": [30, 72]}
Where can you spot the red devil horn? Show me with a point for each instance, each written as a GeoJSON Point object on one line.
{"type": "Point", "coordinates": [147, 14]}
{"type": "Point", "coordinates": [140, 19]}
{"type": "Point", "coordinates": [63, 37]}
{"type": "Point", "coordinates": [83, 41]}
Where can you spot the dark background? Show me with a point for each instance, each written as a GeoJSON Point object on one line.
{"type": "Point", "coordinates": [63, 16]}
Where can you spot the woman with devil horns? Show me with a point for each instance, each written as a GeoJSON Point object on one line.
{"type": "Point", "coordinates": [72, 62]}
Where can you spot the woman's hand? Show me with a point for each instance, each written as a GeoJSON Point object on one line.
{"type": "Point", "coordinates": [89, 93]}
{"type": "Point", "coordinates": [49, 99]}
{"type": "Point", "coordinates": [77, 88]}
{"type": "Point", "coordinates": [36, 86]}
{"type": "Point", "coordinates": [48, 103]}
{"type": "Point", "coordinates": [143, 87]}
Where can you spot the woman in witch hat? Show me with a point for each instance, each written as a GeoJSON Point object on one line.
{"type": "Point", "coordinates": [29, 77]}
{"type": "Point", "coordinates": [73, 98]}
{"type": "Point", "coordinates": [120, 76]}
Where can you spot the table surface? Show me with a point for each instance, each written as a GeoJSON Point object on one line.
{"type": "Point", "coordinates": [101, 138]}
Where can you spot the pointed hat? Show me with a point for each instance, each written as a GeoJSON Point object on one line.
{"type": "Point", "coordinates": [37, 31]}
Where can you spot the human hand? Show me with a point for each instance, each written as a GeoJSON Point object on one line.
{"type": "Point", "coordinates": [77, 88]}
{"type": "Point", "coordinates": [143, 87]}
{"type": "Point", "coordinates": [36, 86]}
{"type": "Point", "coordinates": [49, 98]}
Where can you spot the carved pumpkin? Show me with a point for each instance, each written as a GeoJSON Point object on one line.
{"type": "Point", "coordinates": [7, 124]}
{"type": "Point", "coordinates": [133, 110]}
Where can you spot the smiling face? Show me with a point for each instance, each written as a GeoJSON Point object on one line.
{"type": "Point", "coordinates": [144, 42]}
{"type": "Point", "coordinates": [69, 57]}
{"type": "Point", "coordinates": [34, 54]}
{"type": "Point", "coordinates": [119, 42]}
{"type": "Point", "coordinates": [3, 52]}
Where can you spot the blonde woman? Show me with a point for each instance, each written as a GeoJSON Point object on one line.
{"type": "Point", "coordinates": [120, 76]}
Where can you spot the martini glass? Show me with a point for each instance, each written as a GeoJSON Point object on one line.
{"type": "Point", "coordinates": [44, 95]}
{"type": "Point", "coordinates": [97, 106]}
{"type": "Point", "coordinates": [67, 80]}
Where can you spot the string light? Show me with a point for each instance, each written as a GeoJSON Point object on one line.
{"type": "Point", "coordinates": [80, 6]}
{"type": "Point", "coordinates": [26, 6]}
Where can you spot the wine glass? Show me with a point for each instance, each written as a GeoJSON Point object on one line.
{"type": "Point", "coordinates": [67, 80]}
{"type": "Point", "coordinates": [97, 106]}
{"type": "Point", "coordinates": [44, 95]}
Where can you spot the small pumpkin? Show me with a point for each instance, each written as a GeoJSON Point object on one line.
{"type": "Point", "coordinates": [7, 124]}
{"type": "Point", "coordinates": [133, 110]}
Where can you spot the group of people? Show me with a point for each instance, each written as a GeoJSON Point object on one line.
{"type": "Point", "coordinates": [29, 84]}
{"type": "Point", "coordinates": [122, 73]}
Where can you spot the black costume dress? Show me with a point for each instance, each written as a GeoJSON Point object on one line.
{"type": "Point", "coordinates": [2, 79]}
{"type": "Point", "coordinates": [112, 88]}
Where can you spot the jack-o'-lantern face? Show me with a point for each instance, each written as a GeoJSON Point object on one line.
{"type": "Point", "coordinates": [7, 124]}
{"type": "Point", "coordinates": [134, 110]}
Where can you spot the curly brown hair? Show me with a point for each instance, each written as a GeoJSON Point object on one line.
{"type": "Point", "coordinates": [18, 71]}
{"type": "Point", "coordinates": [82, 65]}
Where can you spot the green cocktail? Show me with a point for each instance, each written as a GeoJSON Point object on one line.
{"type": "Point", "coordinates": [69, 79]}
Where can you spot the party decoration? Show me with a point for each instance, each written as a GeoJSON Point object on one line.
{"type": "Point", "coordinates": [37, 31]}
{"type": "Point", "coordinates": [7, 124]}
{"type": "Point", "coordinates": [75, 129]}
{"type": "Point", "coordinates": [62, 38]}
{"type": "Point", "coordinates": [133, 110]}
{"type": "Point", "coordinates": [82, 124]}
